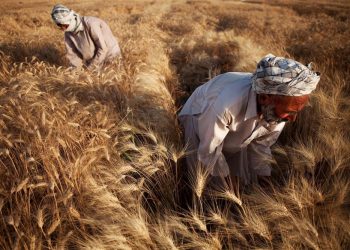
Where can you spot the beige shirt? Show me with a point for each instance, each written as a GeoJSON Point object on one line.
{"type": "Point", "coordinates": [231, 134]}
{"type": "Point", "coordinates": [93, 45]}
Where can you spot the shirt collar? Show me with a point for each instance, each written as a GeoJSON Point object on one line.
{"type": "Point", "coordinates": [80, 26]}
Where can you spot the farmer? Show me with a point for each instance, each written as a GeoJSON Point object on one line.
{"type": "Point", "coordinates": [89, 40]}
{"type": "Point", "coordinates": [231, 121]}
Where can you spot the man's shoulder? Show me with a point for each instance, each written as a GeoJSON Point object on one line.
{"type": "Point", "coordinates": [234, 83]}
{"type": "Point", "coordinates": [219, 93]}
{"type": "Point", "coordinates": [235, 92]}
{"type": "Point", "coordinates": [236, 74]}
{"type": "Point", "coordinates": [231, 81]}
{"type": "Point", "coordinates": [91, 20]}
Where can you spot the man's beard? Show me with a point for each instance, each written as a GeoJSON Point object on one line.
{"type": "Point", "coordinates": [269, 115]}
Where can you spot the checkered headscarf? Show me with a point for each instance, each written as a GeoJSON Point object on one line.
{"type": "Point", "coordinates": [282, 76]}
{"type": "Point", "coordinates": [62, 15]}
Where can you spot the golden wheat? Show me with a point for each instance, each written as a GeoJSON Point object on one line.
{"type": "Point", "coordinates": [94, 160]}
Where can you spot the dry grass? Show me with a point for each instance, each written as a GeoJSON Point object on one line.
{"type": "Point", "coordinates": [94, 160]}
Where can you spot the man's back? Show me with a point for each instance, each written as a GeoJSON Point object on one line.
{"type": "Point", "coordinates": [224, 92]}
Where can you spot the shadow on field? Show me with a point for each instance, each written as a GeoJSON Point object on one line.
{"type": "Point", "coordinates": [227, 21]}
{"type": "Point", "coordinates": [109, 95]}
{"type": "Point", "coordinates": [319, 51]}
{"type": "Point", "coordinates": [21, 52]}
{"type": "Point", "coordinates": [176, 26]}
{"type": "Point", "coordinates": [197, 64]}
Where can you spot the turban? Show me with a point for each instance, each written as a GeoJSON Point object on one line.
{"type": "Point", "coordinates": [282, 76]}
{"type": "Point", "coordinates": [62, 15]}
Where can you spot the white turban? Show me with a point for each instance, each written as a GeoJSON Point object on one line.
{"type": "Point", "coordinates": [282, 76]}
{"type": "Point", "coordinates": [62, 15]}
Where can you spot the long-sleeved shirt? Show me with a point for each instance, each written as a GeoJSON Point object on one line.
{"type": "Point", "coordinates": [230, 133]}
{"type": "Point", "coordinates": [93, 45]}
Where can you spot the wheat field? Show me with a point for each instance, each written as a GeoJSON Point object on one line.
{"type": "Point", "coordinates": [95, 160]}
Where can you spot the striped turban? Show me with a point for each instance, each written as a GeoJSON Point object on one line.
{"type": "Point", "coordinates": [62, 15]}
{"type": "Point", "coordinates": [282, 76]}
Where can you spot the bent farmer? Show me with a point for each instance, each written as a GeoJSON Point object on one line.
{"type": "Point", "coordinates": [231, 121]}
{"type": "Point", "coordinates": [89, 40]}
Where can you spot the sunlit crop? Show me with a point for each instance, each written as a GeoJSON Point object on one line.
{"type": "Point", "coordinates": [95, 160]}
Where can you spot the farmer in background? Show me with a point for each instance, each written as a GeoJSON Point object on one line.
{"type": "Point", "coordinates": [231, 121]}
{"type": "Point", "coordinates": [89, 40]}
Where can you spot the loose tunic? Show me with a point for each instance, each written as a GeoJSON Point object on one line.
{"type": "Point", "coordinates": [223, 129]}
{"type": "Point", "coordinates": [93, 46]}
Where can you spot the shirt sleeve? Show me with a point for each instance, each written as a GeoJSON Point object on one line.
{"type": "Point", "coordinates": [259, 151]}
{"type": "Point", "coordinates": [212, 131]}
{"type": "Point", "coordinates": [97, 36]}
{"type": "Point", "coordinates": [72, 53]}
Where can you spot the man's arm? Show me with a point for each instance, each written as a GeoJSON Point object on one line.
{"type": "Point", "coordinates": [72, 53]}
{"type": "Point", "coordinates": [212, 131]}
{"type": "Point", "coordinates": [100, 44]}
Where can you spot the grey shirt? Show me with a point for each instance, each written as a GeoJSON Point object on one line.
{"type": "Point", "coordinates": [93, 45]}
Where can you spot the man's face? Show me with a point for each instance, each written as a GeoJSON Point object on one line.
{"type": "Point", "coordinates": [278, 108]}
